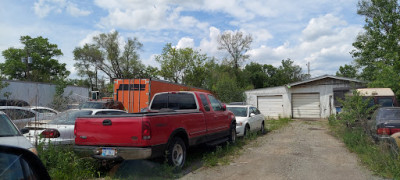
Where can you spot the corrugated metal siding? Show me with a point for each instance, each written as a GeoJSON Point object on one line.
{"type": "Point", "coordinates": [306, 105]}
{"type": "Point", "coordinates": [41, 94]}
{"type": "Point", "coordinates": [270, 106]}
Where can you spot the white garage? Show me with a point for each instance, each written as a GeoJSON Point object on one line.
{"type": "Point", "coordinates": [272, 106]}
{"type": "Point", "coordinates": [306, 105]}
{"type": "Point", "coordinates": [311, 98]}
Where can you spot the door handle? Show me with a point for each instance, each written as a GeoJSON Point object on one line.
{"type": "Point", "coordinates": [107, 122]}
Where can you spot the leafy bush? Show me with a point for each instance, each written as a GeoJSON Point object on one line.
{"type": "Point", "coordinates": [351, 127]}
{"type": "Point", "coordinates": [62, 163]}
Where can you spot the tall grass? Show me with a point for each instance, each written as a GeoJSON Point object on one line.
{"type": "Point", "coordinates": [376, 157]}
{"type": "Point", "coordinates": [223, 155]}
{"type": "Point", "coordinates": [62, 163]}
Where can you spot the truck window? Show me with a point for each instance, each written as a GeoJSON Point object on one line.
{"type": "Point", "coordinates": [176, 101]}
{"type": "Point", "coordinates": [385, 102]}
{"type": "Point", "coordinates": [215, 103]}
{"type": "Point", "coordinates": [204, 102]}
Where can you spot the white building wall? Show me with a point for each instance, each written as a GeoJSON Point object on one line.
{"type": "Point", "coordinates": [251, 97]}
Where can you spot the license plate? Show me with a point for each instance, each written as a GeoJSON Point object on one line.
{"type": "Point", "coordinates": [108, 152]}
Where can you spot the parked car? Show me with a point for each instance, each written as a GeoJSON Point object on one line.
{"type": "Point", "coordinates": [384, 122]}
{"type": "Point", "coordinates": [13, 102]}
{"type": "Point", "coordinates": [10, 135]}
{"type": "Point", "coordinates": [19, 163]}
{"type": "Point", "coordinates": [44, 112]}
{"type": "Point", "coordinates": [107, 104]}
{"type": "Point", "coordinates": [248, 118]}
{"type": "Point", "coordinates": [21, 116]}
{"type": "Point", "coordinates": [60, 130]}
{"type": "Point", "coordinates": [175, 121]}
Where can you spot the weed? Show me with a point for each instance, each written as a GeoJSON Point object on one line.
{"type": "Point", "coordinates": [62, 163]}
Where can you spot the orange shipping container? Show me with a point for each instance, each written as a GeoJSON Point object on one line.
{"type": "Point", "coordinates": [136, 94]}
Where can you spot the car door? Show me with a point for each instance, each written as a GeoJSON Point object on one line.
{"type": "Point", "coordinates": [217, 118]}
{"type": "Point", "coordinates": [252, 119]}
{"type": "Point", "coordinates": [259, 117]}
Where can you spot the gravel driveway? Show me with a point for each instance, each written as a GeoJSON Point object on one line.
{"type": "Point", "coordinates": [302, 150]}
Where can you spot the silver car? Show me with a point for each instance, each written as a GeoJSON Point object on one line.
{"type": "Point", "coordinates": [248, 118]}
{"type": "Point", "coordinates": [60, 130]}
{"type": "Point", "coordinates": [11, 136]}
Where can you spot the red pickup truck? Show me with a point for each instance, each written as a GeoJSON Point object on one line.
{"type": "Point", "coordinates": [175, 121]}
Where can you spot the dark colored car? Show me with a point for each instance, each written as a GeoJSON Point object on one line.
{"type": "Point", "coordinates": [384, 122]}
{"type": "Point", "coordinates": [13, 102]}
{"type": "Point", "coordinates": [19, 163]}
{"type": "Point", "coordinates": [109, 104]}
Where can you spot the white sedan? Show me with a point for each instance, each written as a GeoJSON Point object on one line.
{"type": "Point", "coordinates": [248, 118]}
{"type": "Point", "coordinates": [60, 130]}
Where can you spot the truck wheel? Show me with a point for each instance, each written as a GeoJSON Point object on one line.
{"type": "Point", "coordinates": [232, 136]}
{"type": "Point", "coordinates": [176, 154]}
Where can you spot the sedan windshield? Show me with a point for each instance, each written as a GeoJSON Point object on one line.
{"type": "Point", "coordinates": [389, 114]}
{"type": "Point", "coordinates": [92, 105]}
{"type": "Point", "coordinates": [238, 111]}
{"type": "Point", "coordinates": [6, 127]}
{"type": "Point", "coordinates": [69, 117]}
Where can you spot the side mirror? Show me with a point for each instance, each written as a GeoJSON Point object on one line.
{"type": "Point", "coordinates": [252, 114]}
{"type": "Point", "coordinates": [22, 163]}
{"type": "Point", "coordinates": [223, 107]}
{"type": "Point", "coordinates": [24, 130]}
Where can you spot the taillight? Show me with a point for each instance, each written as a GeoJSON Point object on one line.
{"type": "Point", "coordinates": [146, 130]}
{"type": "Point", "coordinates": [394, 130]}
{"type": "Point", "coordinates": [75, 129]}
{"type": "Point", "coordinates": [50, 133]}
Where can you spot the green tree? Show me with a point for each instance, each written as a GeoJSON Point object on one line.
{"type": "Point", "coordinates": [44, 67]}
{"type": "Point", "coordinates": [117, 64]}
{"type": "Point", "coordinates": [87, 58]}
{"type": "Point", "coordinates": [185, 65]}
{"type": "Point", "coordinates": [236, 44]}
{"type": "Point", "coordinates": [289, 72]}
{"type": "Point", "coordinates": [347, 71]}
{"type": "Point", "coordinates": [377, 48]}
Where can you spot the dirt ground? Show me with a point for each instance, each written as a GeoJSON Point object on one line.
{"type": "Point", "coordinates": [302, 150]}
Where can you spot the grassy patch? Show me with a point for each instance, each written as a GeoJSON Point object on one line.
{"type": "Point", "coordinates": [62, 163]}
{"type": "Point", "coordinates": [376, 157]}
{"type": "Point", "coordinates": [223, 155]}
{"type": "Point", "coordinates": [274, 124]}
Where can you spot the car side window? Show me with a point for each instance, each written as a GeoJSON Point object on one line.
{"type": "Point", "coordinates": [215, 104]}
{"type": "Point", "coordinates": [204, 102]}
{"type": "Point", "coordinates": [109, 113]}
{"type": "Point", "coordinates": [255, 110]}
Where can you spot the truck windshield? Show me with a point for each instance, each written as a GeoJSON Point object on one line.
{"type": "Point", "coordinates": [176, 101]}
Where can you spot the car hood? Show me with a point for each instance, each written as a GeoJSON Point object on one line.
{"type": "Point", "coordinates": [18, 141]}
{"type": "Point", "coordinates": [241, 119]}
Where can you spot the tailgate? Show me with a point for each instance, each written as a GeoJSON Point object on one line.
{"type": "Point", "coordinates": [109, 131]}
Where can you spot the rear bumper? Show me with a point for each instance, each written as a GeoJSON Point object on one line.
{"type": "Point", "coordinates": [126, 153]}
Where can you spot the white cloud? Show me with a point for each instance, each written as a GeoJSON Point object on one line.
{"type": "Point", "coordinates": [185, 43]}
{"type": "Point", "coordinates": [325, 51]}
{"type": "Point", "coordinates": [89, 38]}
{"type": "Point", "coordinates": [43, 8]}
{"type": "Point", "coordinates": [75, 11]}
{"type": "Point", "coordinates": [322, 26]}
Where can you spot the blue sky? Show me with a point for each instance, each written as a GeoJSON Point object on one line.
{"type": "Point", "coordinates": [317, 31]}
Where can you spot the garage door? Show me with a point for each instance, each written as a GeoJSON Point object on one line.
{"type": "Point", "coordinates": [270, 106]}
{"type": "Point", "coordinates": [306, 106]}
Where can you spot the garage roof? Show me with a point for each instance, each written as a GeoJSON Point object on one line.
{"type": "Point", "coordinates": [323, 77]}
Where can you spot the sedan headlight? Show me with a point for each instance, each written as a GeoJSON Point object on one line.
{"type": "Point", "coordinates": [239, 123]}
{"type": "Point", "coordinates": [32, 149]}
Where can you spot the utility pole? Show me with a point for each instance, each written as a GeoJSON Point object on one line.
{"type": "Point", "coordinates": [308, 68]}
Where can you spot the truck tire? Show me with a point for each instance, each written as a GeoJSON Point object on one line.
{"type": "Point", "coordinates": [232, 136]}
{"type": "Point", "coordinates": [176, 153]}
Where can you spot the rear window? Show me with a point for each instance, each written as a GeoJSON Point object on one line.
{"type": "Point", "coordinates": [388, 114]}
{"type": "Point", "coordinates": [385, 102]}
{"type": "Point", "coordinates": [177, 101]}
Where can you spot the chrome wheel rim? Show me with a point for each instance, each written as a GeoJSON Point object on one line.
{"type": "Point", "coordinates": [177, 155]}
